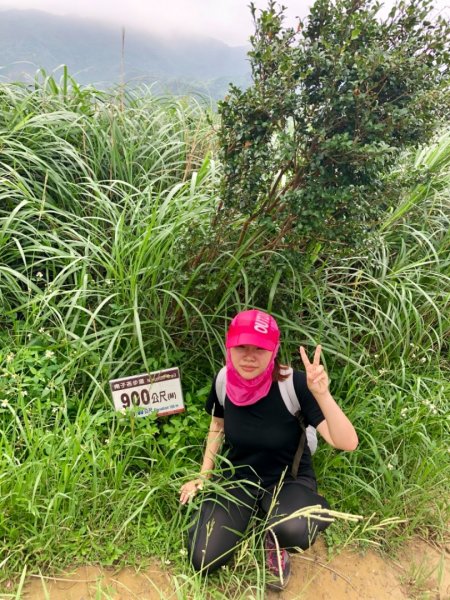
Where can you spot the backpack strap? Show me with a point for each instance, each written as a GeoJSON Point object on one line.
{"type": "Point", "coordinates": [301, 445]}
{"type": "Point", "coordinates": [287, 391]}
{"type": "Point", "coordinates": [289, 396]}
{"type": "Point", "coordinates": [311, 436]}
{"type": "Point", "coordinates": [221, 385]}
{"type": "Point", "coordinates": [309, 433]}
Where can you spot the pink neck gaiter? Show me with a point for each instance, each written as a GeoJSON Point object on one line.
{"type": "Point", "coordinates": [243, 392]}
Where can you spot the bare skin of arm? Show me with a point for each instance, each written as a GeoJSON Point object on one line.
{"type": "Point", "coordinates": [336, 429]}
{"type": "Point", "coordinates": [213, 444]}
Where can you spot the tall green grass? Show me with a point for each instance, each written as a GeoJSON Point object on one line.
{"type": "Point", "coordinates": [106, 204]}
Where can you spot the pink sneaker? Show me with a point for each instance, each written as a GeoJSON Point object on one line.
{"type": "Point", "coordinates": [278, 563]}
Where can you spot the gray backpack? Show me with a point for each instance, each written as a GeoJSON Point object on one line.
{"type": "Point", "coordinates": [289, 396]}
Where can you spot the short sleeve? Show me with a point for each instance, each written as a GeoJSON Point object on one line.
{"type": "Point", "coordinates": [308, 404]}
{"type": "Point", "coordinates": [212, 405]}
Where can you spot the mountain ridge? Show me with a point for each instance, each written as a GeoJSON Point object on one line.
{"type": "Point", "coordinates": [92, 51]}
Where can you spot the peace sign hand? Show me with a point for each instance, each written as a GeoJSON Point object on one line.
{"type": "Point", "coordinates": [316, 376]}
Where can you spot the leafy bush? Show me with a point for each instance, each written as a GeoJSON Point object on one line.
{"type": "Point", "coordinates": [304, 149]}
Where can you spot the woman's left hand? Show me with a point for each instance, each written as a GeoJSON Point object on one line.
{"type": "Point", "coordinates": [316, 376]}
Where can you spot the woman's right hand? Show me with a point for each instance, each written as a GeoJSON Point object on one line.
{"type": "Point", "coordinates": [189, 489]}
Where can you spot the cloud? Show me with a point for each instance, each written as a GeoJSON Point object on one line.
{"type": "Point", "coordinates": [228, 20]}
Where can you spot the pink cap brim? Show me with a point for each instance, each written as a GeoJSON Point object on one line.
{"type": "Point", "coordinates": [250, 339]}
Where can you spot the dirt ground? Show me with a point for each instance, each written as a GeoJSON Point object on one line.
{"type": "Point", "coordinates": [421, 572]}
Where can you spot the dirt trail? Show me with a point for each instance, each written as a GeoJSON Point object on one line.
{"type": "Point", "coordinates": [421, 572]}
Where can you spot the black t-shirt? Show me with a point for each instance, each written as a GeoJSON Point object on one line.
{"type": "Point", "coordinates": [261, 439]}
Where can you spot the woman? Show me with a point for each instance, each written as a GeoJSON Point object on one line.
{"type": "Point", "coordinates": [261, 439]}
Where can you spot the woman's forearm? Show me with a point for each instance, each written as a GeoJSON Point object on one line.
{"type": "Point", "coordinates": [340, 428]}
{"type": "Point", "coordinates": [213, 444]}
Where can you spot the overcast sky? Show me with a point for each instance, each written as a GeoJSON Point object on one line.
{"type": "Point", "coordinates": [226, 20]}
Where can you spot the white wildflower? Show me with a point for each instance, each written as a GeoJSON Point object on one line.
{"type": "Point", "coordinates": [167, 562]}
{"type": "Point", "coordinates": [390, 466]}
{"type": "Point", "coordinates": [54, 409]}
{"type": "Point", "coordinates": [41, 330]}
{"type": "Point", "coordinates": [49, 354]}
{"type": "Point", "coordinates": [413, 355]}
{"type": "Point", "coordinates": [376, 356]}
{"type": "Point", "coordinates": [423, 359]}
{"type": "Point", "coordinates": [108, 282]}
{"type": "Point", "coordinates": [5, 403]}
{"type": "Point", "coordinates": [183, 552]}
{"type": "Point", "coordinates": [10, 357]}
{"type": "Point", "coordinates": [403, 412]}
{"type": "Point", "coordinates": [24, 393]}
{"type": "Point", "coordinates": [106, 442]}
{"type": "Point", "coordinates": [39, 275]}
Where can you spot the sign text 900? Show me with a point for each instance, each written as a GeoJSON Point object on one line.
{"type": "Point", "coordinates": [143, 398]}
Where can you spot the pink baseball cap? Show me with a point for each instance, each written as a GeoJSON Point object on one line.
{"type": "Point", "coordinates": [253, 327]}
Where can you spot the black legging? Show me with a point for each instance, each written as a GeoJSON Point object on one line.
{"type": "Point", "coordinates": [223, 519]}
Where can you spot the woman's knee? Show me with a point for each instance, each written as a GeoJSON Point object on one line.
{"type": "Point", "coordinates": [208, 558]}
{"type": "Point", "coordinates": [210, 545]}
{"type": "Point", "coordinates": [199, 561]}
{"type": "Point", "coordinates": [299, 532]}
